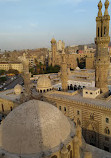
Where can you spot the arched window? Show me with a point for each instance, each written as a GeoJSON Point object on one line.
{"type": "Point", "coordinates": [104, 31]}
{"type": "Point", "coordinates": [106, 130]}
{"type": "Point", "coordinates": [11, 108]}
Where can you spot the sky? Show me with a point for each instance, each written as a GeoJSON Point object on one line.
{"type": "Point", "coordinates": [30, 24]}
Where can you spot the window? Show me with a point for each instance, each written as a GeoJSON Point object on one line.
{"type": "Point", "coordinates": [104, 31]}
{"type": "Point", "coordinates": [92, 116]}
{"type": "Point", "coordinates": [86, 92]}
{"type": "Point", "coordinates": [59, 107]}
{"type": "Point", "coordinates": [107, 120]}
{"type": "Point", "coordinates": [91, 93]}
{"type": "Point", "coordinates": [65, 109]}
{"type": "Point", "coordinates": [106, 130]}
{"type": "Point", "coordinates": [78, 112]}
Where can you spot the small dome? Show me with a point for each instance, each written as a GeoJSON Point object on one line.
{"type": "Point", "coordinates": [53, 40]}
{"type": "Point", "coordinates": [77, 68]}
{"type": "Point", "coordinates": [35, 127]}
{"type": "Point", "coordinates": [44, 83]}
{"type": "Point", "coordinates": [18, 89]}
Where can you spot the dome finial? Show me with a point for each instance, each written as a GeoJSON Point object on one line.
{"type": "Point", "coordinates": [106, 7]}
{"type": "Point", "coordinates": [100, 7]}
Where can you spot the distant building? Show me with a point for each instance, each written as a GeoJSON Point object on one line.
{"type": "Point", "coordinates": [11, 65]}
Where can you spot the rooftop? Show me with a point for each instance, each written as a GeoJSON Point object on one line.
{"type": "Point", "coordinates": [92, 88]}
{"type": "Point", "coordinates": [77, 97]}
{"type": "Point", "coordinates": [9, 95]}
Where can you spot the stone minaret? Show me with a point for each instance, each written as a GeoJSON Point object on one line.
{"type": "Point", "coordinates": [102, 40]}
{"type": "Point", "coordinates": [54, 49]}
{"type": "Point", "coordinates": [64, 72]}
{"type": "Point", "coordinates": [26, 75]}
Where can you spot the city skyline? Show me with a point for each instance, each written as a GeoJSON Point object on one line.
{"type": "Point", "coordinates": [29, 24]}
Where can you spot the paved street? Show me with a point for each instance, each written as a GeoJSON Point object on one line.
{"type": "Point", "coordinates": [19, 80]}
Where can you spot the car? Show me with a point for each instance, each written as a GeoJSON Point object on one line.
{"type": "Point", "coordinates": [5, 88]}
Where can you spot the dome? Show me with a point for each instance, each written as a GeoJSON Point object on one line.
{"type": "Point", "coordinates": [77, 68]}
{"type": "Point", "coordinates": [53, 40]}
{"type": "Point", "coordinates": [18, 89]}
{"type": "Point", "coordinates": [35, 127]}
{"type": "Point", "coordinates": [44, 83]}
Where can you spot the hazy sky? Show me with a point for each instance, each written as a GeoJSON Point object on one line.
{"type": "Point", "coordinates": [32, 23]}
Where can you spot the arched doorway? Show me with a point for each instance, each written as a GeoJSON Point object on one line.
{"type": "Point", "coordinates": [71, 87]}
{"type": "Point", "coordinates": [92, 135]}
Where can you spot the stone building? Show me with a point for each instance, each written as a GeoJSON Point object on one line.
{"type": "Point", "coordinates": [102, 41]}
{"type": "Point", "coordinates": [55, 57]}
{"type": "Point", "coordinates": [91, 108]}
{"type": "Point", "coordinates": [11, 65]}
{"type": "Point", "coordinates": [38, 129]}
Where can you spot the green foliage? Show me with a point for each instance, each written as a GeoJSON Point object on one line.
{"type": "Point", "coordinates": [32, 70]}
{"type": "Point", "coordinates": [2, 72]}
{"type": "Point", "coordinates": [13, 71]}
{"type": "Point", "coordinates": [3, 79]}
{"type": "Point", "coordinates": [53, 69]}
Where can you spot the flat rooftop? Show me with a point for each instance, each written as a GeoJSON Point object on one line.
{"type": "Point", "coordinates": [9, 95]}
{"type": "Point", "coordinates": [92, 88]}
{"type": "Point", "coordinates": [79, 98]}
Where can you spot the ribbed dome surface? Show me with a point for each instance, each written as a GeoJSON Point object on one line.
{"type": "Point", "coordinates": [34, 127]}
{"type": "Point", "coordinates": [44, 82]}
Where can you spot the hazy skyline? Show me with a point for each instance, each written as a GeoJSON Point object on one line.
{"type": "Point", "coordinates": [32, 23]}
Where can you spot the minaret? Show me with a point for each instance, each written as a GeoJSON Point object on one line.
{"type": "Point", "coordinates": [54, 49]}
{"type": "Point", "coordinates": [64, 72]}
{"type": "Point", "coordinates": [26, 75]}
{"type": "Point", "coordinates": [102, 40]}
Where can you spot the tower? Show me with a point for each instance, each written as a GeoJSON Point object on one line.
{"type": "Point", "coordinates": [64, 72]}
{"type": "Point", "coordinates": [26, 75]}
{"type": "Point", "coordinates": [54, 49]}
{"type": "Point", "coordinates": [102, 40]}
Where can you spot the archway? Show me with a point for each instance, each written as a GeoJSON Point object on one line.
{"type": "Point", "coordinates": [92, 136]}
{"type": "Point", "coordinates": [71, 87]}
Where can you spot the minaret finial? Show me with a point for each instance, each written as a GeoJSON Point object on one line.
{"type": "Point", "coordinates": [100, 7]}
{"type": "Point", "coordinates": [106, 7]}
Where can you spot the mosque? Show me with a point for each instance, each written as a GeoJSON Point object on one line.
{"type": "Point", "coordinates": [44, 122]}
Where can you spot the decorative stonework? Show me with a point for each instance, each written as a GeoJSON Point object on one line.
{"type": "Point", "coordinates": [102, 40]}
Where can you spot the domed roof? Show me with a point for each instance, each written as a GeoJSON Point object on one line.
{"type": "Point", "coordinates": [18, 89]}
{"type": "Point", "coordinates": [35, 127]}
{"type": "Point", "coordinates": [44, 82]}
{"type": "Point", "coordinates": [53, 40]}
{"type": "Point", "coordinates": [77, 68]}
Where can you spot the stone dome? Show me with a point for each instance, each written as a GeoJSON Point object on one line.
{"type": "Point", "coordinates": [44, 83]}
{"type": "Point", "coordinates": [77, 68]}
{"type": "Point", "coordinates": [35, 127]}
{"type": "Point", "coordinates": [53, 40]}
{"type": "Point", "coordinates": [18, 89]}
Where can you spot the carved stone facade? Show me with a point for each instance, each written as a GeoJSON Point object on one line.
{"type": "Point", "coordinates": [102, 40]}
{"type": "Point", "coordinates": [95, 119]}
